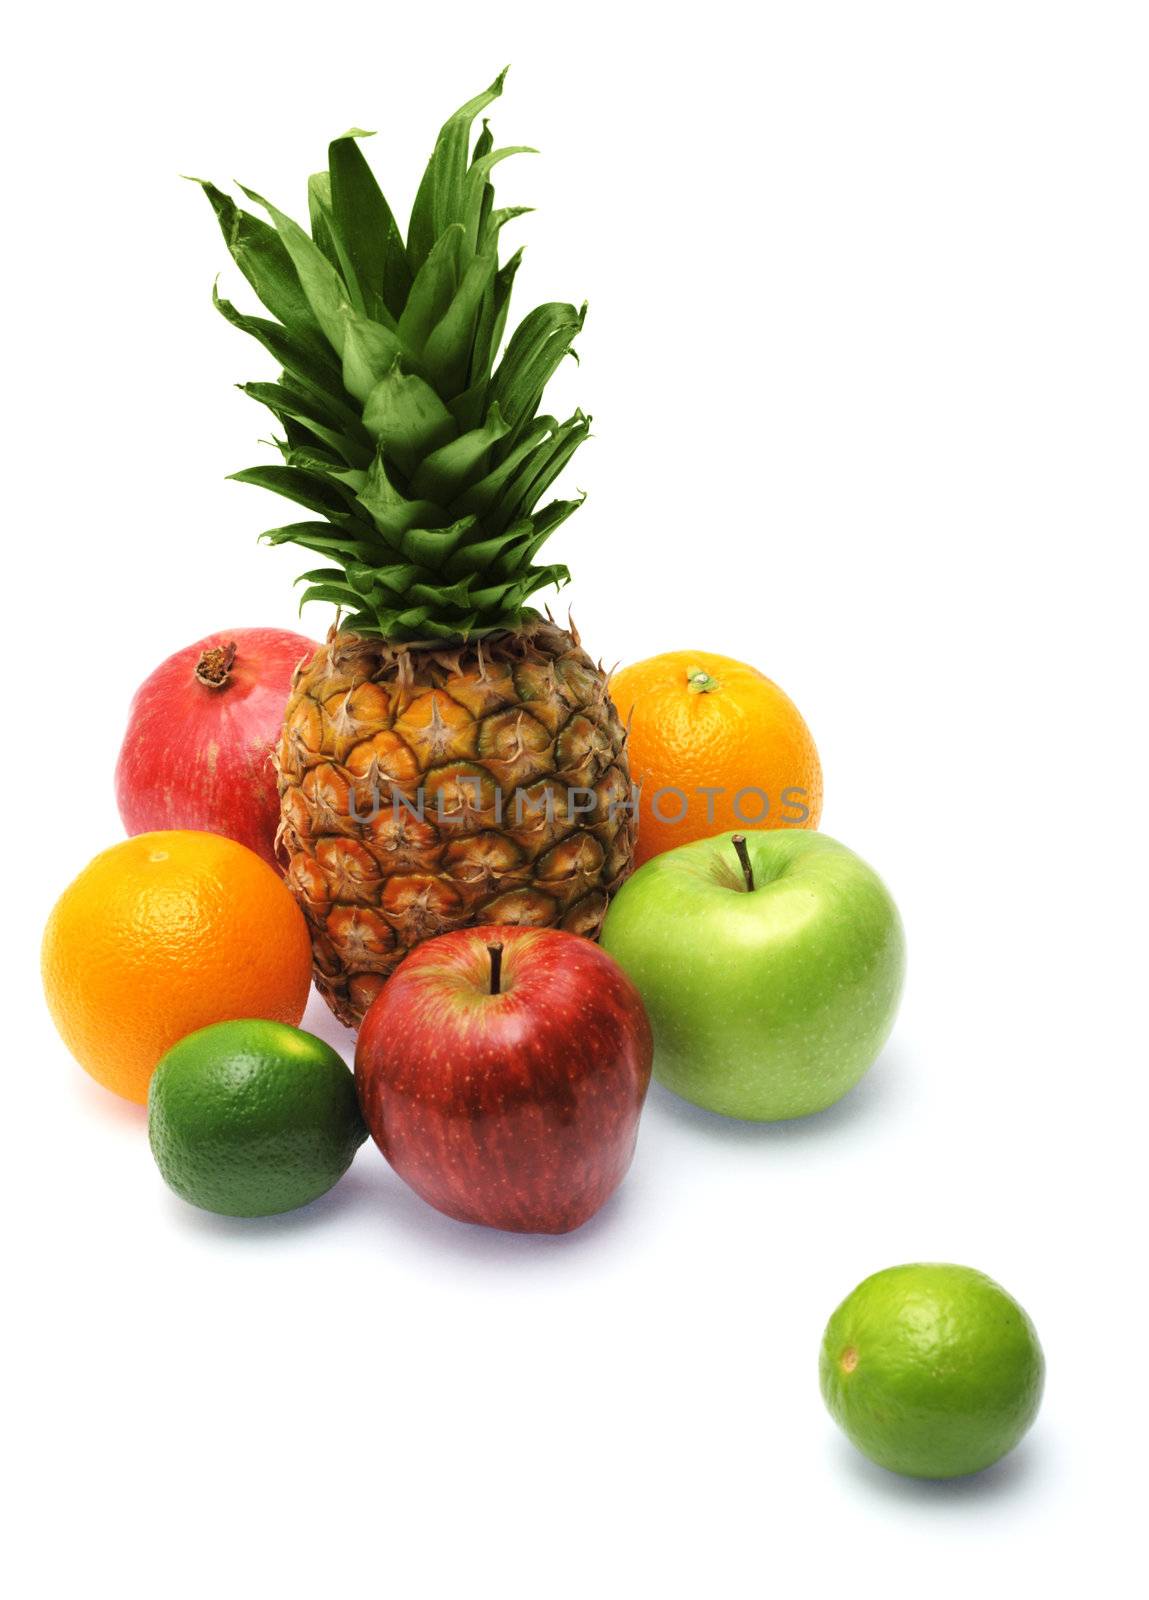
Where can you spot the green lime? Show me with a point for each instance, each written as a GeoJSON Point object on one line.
{"type": "Point", "coordinates": [251, 1118]}
{"type": "Point", "coordinates": [932, 1370]}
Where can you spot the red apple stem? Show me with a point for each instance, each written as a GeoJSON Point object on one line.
{"type": "Point", "coordinates": [495, 951]}
{"type": "Point", "coordinates": [739, 843]}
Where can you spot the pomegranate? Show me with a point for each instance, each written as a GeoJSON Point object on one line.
{"type": "Point", "coordinates": [201, 729]}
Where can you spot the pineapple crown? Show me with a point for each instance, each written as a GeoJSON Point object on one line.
{"type": "Point", "coordinates": [424, 460]}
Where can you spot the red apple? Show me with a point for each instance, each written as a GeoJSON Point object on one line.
{"type": "Point", "coordinates": [502, 1071]}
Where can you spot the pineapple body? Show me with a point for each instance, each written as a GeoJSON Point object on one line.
{"type": "Point", "coordinates": [424, 789]}
{"type": "Point", "coordinates": [451, 756]}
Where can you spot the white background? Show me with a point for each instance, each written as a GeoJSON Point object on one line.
{"type": "Point", "coordinates": [867, 354]}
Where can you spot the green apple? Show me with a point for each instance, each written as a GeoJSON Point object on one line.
{"type": "Point", "coordinates": [770, 964]}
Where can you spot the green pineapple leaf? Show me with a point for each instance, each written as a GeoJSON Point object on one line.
{"type": "Point", "coordinates": [391, 511]}
{"type": "Point", "coordinates": [324, 289]}
{"type": "Point", "coordinates": [483, 494]}
{"type": "Point", "coordinates": [446, 352]}
{"type": "Point", "coordinates": [330, 242]}
{"type": "Point", "coordinates": [446, 472]}
{"type": "Point", "coordinates": [362, 219]}
{"type": "Point", "coordinates": [478, 193]}
{"type": "Point", "coordinates": [439, 202]}
{"type": "Point", "coordinates": [339, 594]}
{"type": "Point", "coordinates": [493, 321]}
{"type": "Point", "coordinates": [370, 351]}
{"type": "Point", "coordinates": [431, 547]}
{"type": "Point", "coordinates": [313, 374]}
{"type": "Point", "coordinates": [534, 353]}
{"type": "Point", "coordinates": [433, 289]}
{"type": "Point", "coordinates": [322, 539]}
{"type": "Point", "coordinates": [306, 488]}
{"type": "Point", "coordinates": [418, 449]}
{"type": "Point", "coordinates": [407, 418]}
{"type": "Point", "coordinates": [261, 256]}
{"type": "Point", "coordinates": [357, 449]}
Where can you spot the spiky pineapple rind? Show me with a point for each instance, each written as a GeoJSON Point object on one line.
{"type": "Point", "coordinates": [429, 789]}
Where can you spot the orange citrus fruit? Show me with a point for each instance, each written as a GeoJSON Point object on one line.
{"type": "Point", "coordinates": [161, 935]}
{"type": "Point", "coordinates": [714, 746]}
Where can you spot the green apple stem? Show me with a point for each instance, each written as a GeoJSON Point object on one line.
{"type": "Point", "coordinates": [495, 951]}
{"type": "Point", "coordinates": [739, 843]}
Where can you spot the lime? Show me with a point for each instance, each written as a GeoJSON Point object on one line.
{"type": "Point", "coordinates": [932, 1370]}
{"type": "Point", "coordinates": [251, 1118]}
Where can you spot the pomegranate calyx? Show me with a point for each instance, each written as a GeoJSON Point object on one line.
{"type": "Point", "coordinates": [214, 665]}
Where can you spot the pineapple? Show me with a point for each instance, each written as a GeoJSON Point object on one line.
{"type": "Point", "coordinates": [450, 756]}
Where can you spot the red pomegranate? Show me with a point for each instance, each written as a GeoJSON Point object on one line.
{"type": "Point", "coordinates": [197, 753]}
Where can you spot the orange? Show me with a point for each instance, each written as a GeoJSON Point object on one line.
{"type": "Point", "coordinates": [161, 935]}
{"type": "Point", "coordinates": [702, 722]}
